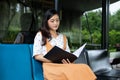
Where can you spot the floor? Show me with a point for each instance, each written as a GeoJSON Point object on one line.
{"type": "Point", "coordinates": [114, 55]}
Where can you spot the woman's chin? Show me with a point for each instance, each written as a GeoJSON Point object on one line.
{"type": "Point", "coordinates": [55, 29]}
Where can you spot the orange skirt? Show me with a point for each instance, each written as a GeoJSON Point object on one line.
{"type": "Point", "coordinates": [53, 71]}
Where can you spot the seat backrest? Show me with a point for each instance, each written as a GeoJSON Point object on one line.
{"type": "Point", "coordinates": [15, 62]}
{"type": "Point", "coordinates": [36, 66]}
{"type": "Point", "coordinates": [82, 58]}
{"type": "Point", "coordinates": [99, 60]}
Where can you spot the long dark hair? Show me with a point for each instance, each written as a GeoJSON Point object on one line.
{"type": "Point", "coordinates": [45, 28]}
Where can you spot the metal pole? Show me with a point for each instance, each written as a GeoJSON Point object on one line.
{"type": "Point", "coordinates": [56, 5]}
{"type": "Point", "coordinates": [105, 24]}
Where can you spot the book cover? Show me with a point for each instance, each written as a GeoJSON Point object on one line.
{"type": "Point", "coordinates": [56, 54]}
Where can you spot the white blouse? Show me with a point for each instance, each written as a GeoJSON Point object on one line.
{"type": "Point", "coordinates": [39, 49]}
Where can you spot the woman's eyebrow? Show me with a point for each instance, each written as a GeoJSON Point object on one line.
{"type": "Point", "coordinates": [55, 19]}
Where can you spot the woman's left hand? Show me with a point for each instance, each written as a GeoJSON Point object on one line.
{"type": "Point", "coordinates": [66, 61]}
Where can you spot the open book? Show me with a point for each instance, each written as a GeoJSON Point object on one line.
{"type": "Point", "coordinates": [56, 54]}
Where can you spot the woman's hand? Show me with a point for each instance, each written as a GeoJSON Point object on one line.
{"type": "Point", "coordinates": [47, 61]}
{"type": "Point", "coordinates": [66, 61]}
{"type": "Point", "coordinates": [41, 58]}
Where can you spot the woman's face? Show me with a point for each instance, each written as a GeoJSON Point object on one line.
{"type": "Point", "coordinates": [54, 22]}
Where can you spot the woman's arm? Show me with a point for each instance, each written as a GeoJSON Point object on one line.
{"type": "Point", "coordinates": [41, 58]}
{"type": "Point", "coordinates": [37, 48]}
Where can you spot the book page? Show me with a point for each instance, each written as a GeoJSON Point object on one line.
{"type": "Point", "coordinates": [79, 50]}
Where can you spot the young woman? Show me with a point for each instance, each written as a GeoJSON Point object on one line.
{"type": "Point", "coordinates": [47, 37]}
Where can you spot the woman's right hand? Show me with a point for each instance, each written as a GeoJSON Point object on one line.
{"type": "Point", "coordinates": [42, 59]}
{"type": "Point", "coordinates": [47, 61]}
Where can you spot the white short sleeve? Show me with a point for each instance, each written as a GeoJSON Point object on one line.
{"type": "Point", "coordinates": [37, 48]}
